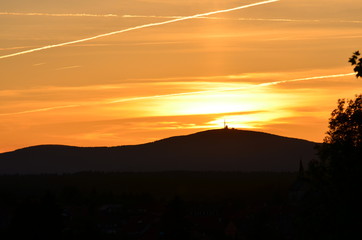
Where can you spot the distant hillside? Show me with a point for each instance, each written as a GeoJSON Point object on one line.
{"type": "Point", "coordinates": [213, 150]}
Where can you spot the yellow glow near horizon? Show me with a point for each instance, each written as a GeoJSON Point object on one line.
{"type": "Point", "coordinates": [207, 104]}
{"type": "Point", "coordinates": [249, 121]}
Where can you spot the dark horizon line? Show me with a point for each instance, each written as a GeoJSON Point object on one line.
{"type": "Point", "coordinates": [125, 145]}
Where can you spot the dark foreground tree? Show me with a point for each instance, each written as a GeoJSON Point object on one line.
{"type": "Point", "coordinates": [333, 209]}
{"type": "Point", "coordinates": [341, 152]}
{"type": "Point", "coordinates": [357, 62]}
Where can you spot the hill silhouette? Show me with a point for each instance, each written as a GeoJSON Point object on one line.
{"type": "Point", "coordinates": [212, 150]}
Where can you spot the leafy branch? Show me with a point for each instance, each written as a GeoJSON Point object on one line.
{"type": "Point", "coordinates": [357, 62]}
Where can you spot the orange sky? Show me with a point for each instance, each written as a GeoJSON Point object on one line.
{"type": "Point", "coordinates": [176, 78]}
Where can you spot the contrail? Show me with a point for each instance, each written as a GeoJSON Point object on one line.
{"type": "Point", "coordinates": [180, 94]}
{"type": "Point", "coordinates": [68, 67]}
{"type": "Point", "coordinates": [300, 79]}
{"type": "Point", "coordinates": [58, 14]}
{"type": "Point", "coordinates": [111, 15]}
{"type": "Point", "coordinates": [137, 27]}
{"type": "Point", "coordinates": [230, 89]}
{"type": "Point", "coordinates": [14, 48]}
{"type": "Point", "coordinates": [41, 110]}
{"type": "Point", "coordinates": [224, 18]}
{"type": "Point", "coordinates": [250, 19]}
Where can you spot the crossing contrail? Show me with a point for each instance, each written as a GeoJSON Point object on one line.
{"type": "Point", "coordinates": [136, 28]}
{"type": "Point", "coordinates": [179, 94]}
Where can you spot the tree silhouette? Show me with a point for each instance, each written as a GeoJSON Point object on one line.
{"type": "Point", "coordinates": [341, 151]}
{"type": "Point", "coordinates": [333, 209]}
{"type": "Point", "coordinates": [342, 147]}
{"type": "Point", "coordinates": [357, 62]}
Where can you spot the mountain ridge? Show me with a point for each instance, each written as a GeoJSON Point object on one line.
{"type": "Point", "coordinates": [210, 150]}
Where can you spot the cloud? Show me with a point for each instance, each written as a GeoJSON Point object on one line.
{"type": "Point", "coordinates": [218, 90]}
{"type": "Point", "coordinates": [14, 48]}
{"type": "Point", "coordinates": [199, 121]}
{"type": "Point", "coordinates": [58, 14]}
{"type": "Point", "coordinates": [232, 77]}
{"type": "Point", "coordinates": [250, 19]}
{"type": "Point", "coordinates": [111, 15]}
{"type": "Point", "coordinates": [38, 64]}
{"type": "Point", "coordinates": [40, 110]}
{"type": "Point", "coordinates": [136, 28]}
{"type": "Point", "coordinates": [313, 131]}
{"type": "Point", "coordinates": [68, 67]}
{"type": "Point", "coordinates": [168, 119]}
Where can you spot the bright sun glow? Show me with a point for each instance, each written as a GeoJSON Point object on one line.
{"type": "Point", "coordinates": [247, 121]}
{"type": "Point", "coordinates": [215, 104]}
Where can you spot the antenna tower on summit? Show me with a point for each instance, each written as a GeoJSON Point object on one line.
{"type": "Point", "coordinates": [225, 125]}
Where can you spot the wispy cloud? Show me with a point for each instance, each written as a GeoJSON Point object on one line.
{"type": "Point", "coordinates": [230, 89]}
{"type": "Point", "coordinates": [234, 77]}
{"type": "Point", "coordinates": [226, 89]}
{"type": "Point", "coordinates": [111, 15]}
{"type": "Point", "coordinates": [68, 67]}
{"type": "Point", "coordinates": [14, 48]}
{"type": "Point", "coordinates": [251, 19]}
{"type": "Point", "coordinates": [222, 18]}
{"type": "Point", "coordinates": [58, 14]}
{"type": "Point", "coordinates": [41, 110]}
{"type": "Point", "coordinates": [38, 64]}
{"type": "Point", "coordinates": [137, 27]}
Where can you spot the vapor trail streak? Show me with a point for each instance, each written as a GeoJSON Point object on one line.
{"type": "Point", "coordinates": [41, 110]}
{"type": "Point", "coordinates": [110, 15]}
{"type": "Point", "coordinates": [57, 14]}
{"type": "Point", "coordinates": [180, 94]}
{"type": "Point", "coordinates": [136, 28]}
{"type": "Point", "coordinates": [229, 89]}
{"type": "Point", "coordinates": [250, 19]}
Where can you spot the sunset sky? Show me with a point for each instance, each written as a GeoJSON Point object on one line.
{"type": "Point", "coordinates": [277, 67]}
